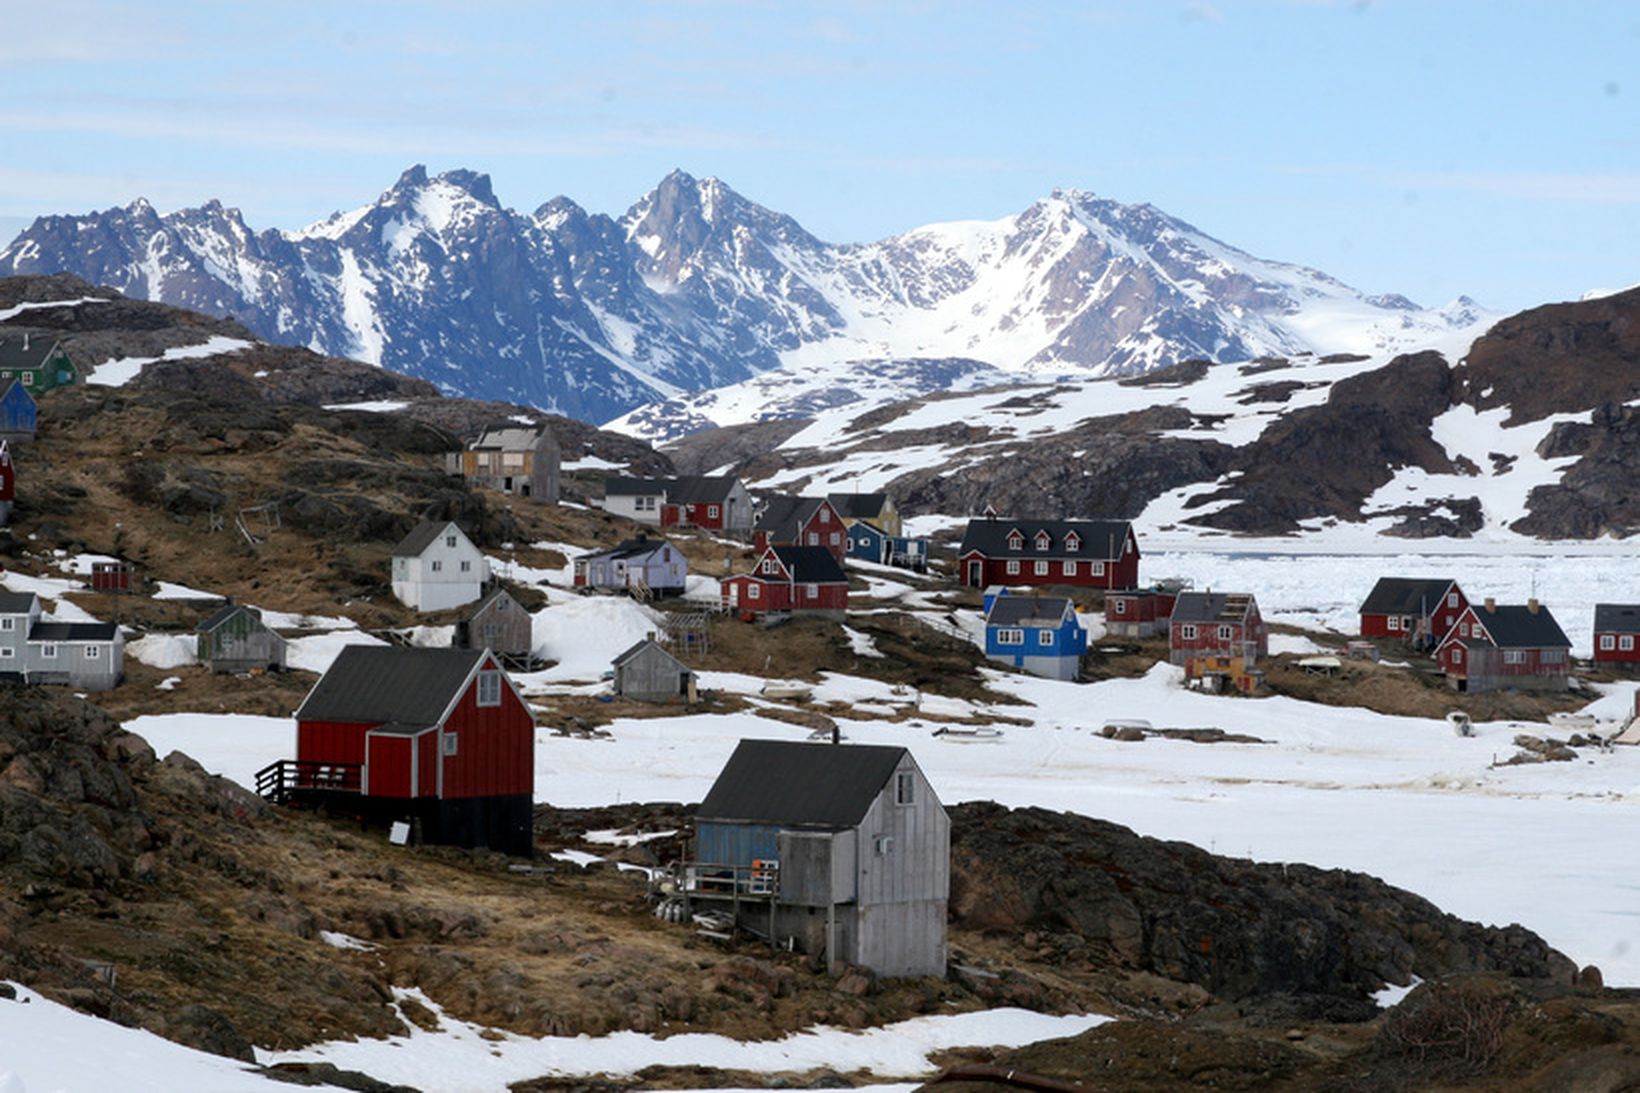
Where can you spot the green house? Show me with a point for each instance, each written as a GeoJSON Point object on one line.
{"type": "Point", "coordinates": [36, 360]}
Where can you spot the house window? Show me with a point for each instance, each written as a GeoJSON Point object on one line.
{"type": "Point", "coordinates": [1013, 569]}
{"type": "Point", "coordinates": [401, 567]}
{"type": "Point", "coordinates": [905, 788]}
{"type": "Point", "coordinates": [438, 567]}
{"type": "Point", "coordinates": [814, 538]}
{"type": "Point", "coordinates": [7, 652]}
{"type": "Point", "coordinates": [8, 624]}
{"type": "Point", "coordinates": [1041, 569]}
{"type": "Point", "coordinates": [1096, 569]}
{"type": "Point", "coordinates": [812, 591]}
{"type": "Point", "coordinates": [1010, 636]}
{"type": "Point", "coordinates": [1552, 656]}
{"type": "Point", "coordinates": [1044, 637]}
{"type": "Point", "coordinates": [1187, 633]}
{"type": "Point", "coordinates": [1457, 656]}
{"type": "Point", "coordinates": [1452, 599]}
{"type": "Point", "coordinates": [1043, 542]}
{"type": "Point", "coordinates": [1073, 542]}
{"type": "Point", "coordinates": [1514, 656]}
{"type": "Point", "coordinates": [1120, 606]}
{"type": "Point", "coordinates": [1626, 643]}
{"type": "Point", "coordinates": [92, 652]}
{"type": "Point", "coordinates": [1463, 628]}
{"type": "Point", "coordinates": [884, 844]}
{"type": "Point", "coordinates": [28, 379]}
{"type": "Point", "coordinates": [466, 567]}
{"type": "Point", "coordinates": [711, 512]}
{"type": "Point", "coordinates": [1395, 624]}
{"type": "Point", "coordinates": [452, 743]}
{"type": "Point", "coordinates": [753, 590]}
{"type": "Point", "coordinates": [770, 566]}
{"type": "Point", "coordinates": [1068, 568]}
{"type": "Point", "coordinates": [834, 538]}
{"type": "Point", "coordinates": [825, 516]}
{"type": "Point", "coordinates": [450, 540]}
{"type": "Point", "coordinates": [49, 652]}
{"type": "Point", "coordinates": [489, 687]}
{"type": "Point", "coordinates": [1477, 631]}
{"type": "Point", "coordinates": [1607, 641]}
{"type": "Point", "coordinates": [1226, 633]}
{"type": "Point", "coordinates": [1016, 542]}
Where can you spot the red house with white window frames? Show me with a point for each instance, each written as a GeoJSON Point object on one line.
{"type": "Point", "coordinates": [1418, 610]}
{"type": "Point", "coordinates": [439, 737]}
{"type": "Point", "coordinates": [1218, 632]}
{"type": "Point", "coordinates": [1081, 553]}
{"type": "Point", "coordinates": [1617, 636]}
{"type": "Point", "coordinates": [801, 521]}
{"type": "Point", "coordinates": [797, 579]}
{"type": "Point", "coordinates": [1509, 647]}
{"type": "Point", "coordinates": [1139, 613]}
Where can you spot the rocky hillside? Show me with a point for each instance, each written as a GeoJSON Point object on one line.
{"type": "Point", "coordinates": [696, 287]}
{"type": "Point", "coordinates": [1528, 432]}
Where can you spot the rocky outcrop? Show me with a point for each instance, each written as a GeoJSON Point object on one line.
{"type": "Point", "coordinates": [1600, 493]}
{"type": "Point", "coordinates": [1322, 939]}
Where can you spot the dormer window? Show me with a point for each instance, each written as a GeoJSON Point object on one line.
{"type": "Point", "coordinates": [770, 566]}
{"type": "Point", "coordinates": [1073, 542]}
{"type": "Point", "coordinates": [1043, 540]}
{"type": "Point", "coordinates": [1016, 541]}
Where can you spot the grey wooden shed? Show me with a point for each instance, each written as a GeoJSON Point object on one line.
{"type": "Point", "coordinates": [836, 848]}
{"type": "Point", "coordinates": [235, 639]}
{"type": "Point", "coordinates": [648, 673]}
{"type": "Point", "coordinates": [500, 624]}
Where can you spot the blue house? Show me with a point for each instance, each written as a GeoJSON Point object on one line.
{"type": "Point", "coordinates": [1040, 634]}
{"type": "Point", "coordinates": [17, 411]}
{"type": "Point", "coordinates": [870, 543]}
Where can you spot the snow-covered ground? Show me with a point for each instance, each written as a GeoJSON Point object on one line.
{"type": "Point", "coordinates": [121, 371]}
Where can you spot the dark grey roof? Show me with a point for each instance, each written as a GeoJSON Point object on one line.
{"type": "Point", "coordinates": [858, 506]}
{"type": "Point", "coordinates": [73, 631]}
{"type": "Point", "coordinates": [388, 683]}
{"type": "Point", "coordinates": [402, 728]}
{"type": "Point", "coordinates": [510, 438]}
{"type": "Point", "coordinates": [224, 613]}
{"type": "Point", "coordinates": [625, 487]}
{"type": "Point", "coordinates": [15, 603]}
{"type": "Point", "coordinates": [13, 355]}
{"type": "Point", "coordinates": [1016, 610]}
{"type": "Point", "coordinates": [810, 564]}
{"type": "Point", "coordinates": [784, 516]}
{"type": "Point", "coordinates": [490, 597]}
{"type": "Point", "coordinates": [629, 548]}
{"type": "Point", "coordinates": [420, 538]}
{"type": "Point", "coordinates": [634, 650]}
{"type": "Point", "coordinates": [797, 784]}
{"type": "Point", "coordinates": [1516, 626]}
{"type": "Point", "coordinates": [1102, 539]}
{"type": "Point", "coordinates": [1617, 618]}
{"type": "Point", "coordinates": [1406, 595]}
{"type": "Point", "coordinates": [1211, 606]}
{"type": "Point", "coordinates": [699, 489]}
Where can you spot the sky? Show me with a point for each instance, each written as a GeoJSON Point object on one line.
{"type": "Point", "coordinates": [1427, 147]}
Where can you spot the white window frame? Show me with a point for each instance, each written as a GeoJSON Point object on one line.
{"type": "Point", "coordinates": [1044, 637]}
{"type": "Point", "coordinates": [48, 651]}
{"type": "Point", "coordinates": [1457, 655]}
{"type": "Point", "coordinates": [834, 537]}
{"type": "Point", "coordinates": [812, 591]}
{"type": "Point", "coordinates": [450, 541]}
{"type": "Point", "coordinates": [1040, 568]}
{"type": "Point", "coordinates": [1552, 656]}
{"type": "Point", "coordinates": [1068, 569]}
{"type": "Point", "coordinates": [1608, 642]}
{"type": "Point", "coordinates": [770, 566]}
{"type": "Point", "coordinates": [1073, 542]}
{"type": "Point", "coordinates": [711, 512]}
{"type": "Point", "coordinates": [1226, 632]}
{"type": "Point", "coordinates": [1013, 567]}
{"type": "Point", "coordinates": [825, 515]}
{"type": "Point", "coordinates": [1096, 569]}
{"type": "Point", "coordinates": [1016, 542]}
{"type": "Point", "coordinates": [466, 567]}
{"type": "Point", "coordinates": [1514, 656]}
{"type": "Point", "coordinates": [1626, 643]}
{"type": "Point", "coordinates": [1187, 631]}
{"type": "Point", "coordinates": [1044, 541]}
{"type": "Point", "coordinates": [1452, 599]}
{"type": "Point", "coordinates": [1463, 629]}
{"type": "Point", "coordinates": [8, 623]}
{"type": "Point", "coordinates": [814, 538]}
{"type": "Point", "coordinates": [1120, 606]}
{"type": "Point", "coordinates": [1010, 635]}
{"type": "Point", "coordinates": [93, 652]}
{"type": "Point", "coordinates": [754, 590]}
{"type": "Point", "coordinates": [1394, 624]}
{"type": "Point", "coordinates": [438, 566]}
{"type": "Point", "coordinates": [489, 680]}
{"type": "Point", "coordinates": [451, 744]}
{"type": "Point", "coordinates": [7, 652]}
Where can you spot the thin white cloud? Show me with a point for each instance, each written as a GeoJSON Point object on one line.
{"type": "Point", "coordinates": [1584, 187]}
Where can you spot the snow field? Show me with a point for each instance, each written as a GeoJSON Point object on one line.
{"type": "Point", "coordinates": [121, 371]}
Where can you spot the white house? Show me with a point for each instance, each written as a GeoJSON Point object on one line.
{"type": "Point", "coordinates": [437, 566]}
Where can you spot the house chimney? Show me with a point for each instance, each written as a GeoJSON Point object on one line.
{"type": "Point", "coordinates": [1491, 605]}
{"type": "Point", "coordinates": [1532, 606]}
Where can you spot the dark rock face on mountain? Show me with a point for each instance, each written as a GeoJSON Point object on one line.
{"type": "Point", "coordinates": [1600, 493]}
{"type": "Point", "coordinates": [1323, 939]}
{"type": "Point", "coordinates": [696, 287]}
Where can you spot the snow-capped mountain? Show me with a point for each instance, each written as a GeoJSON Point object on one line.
{"type": "Point", "coordinates": [696, 287]}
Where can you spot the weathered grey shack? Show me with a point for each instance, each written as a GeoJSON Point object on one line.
{"type": "Point", "coordinates": [838, 848]}
{"type": "Point", "coordinates": [235, 639]}
{"type": "Point", "coordinates": [500, 624]}
{"type": "Point", "coordinates": [648, 673]}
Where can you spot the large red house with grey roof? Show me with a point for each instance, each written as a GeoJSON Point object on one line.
{"type": "Point", "coordinates": [996, 550]}
{"type": "Point", "coordinates": [1497, 647]}
{"type": "Point", "coordinates": [437, 737]}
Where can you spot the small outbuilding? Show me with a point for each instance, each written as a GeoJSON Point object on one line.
{"type": "Point", "coordinates": [835, 849]}
{"type": "Point", "coordinates": [1616, 635]}
{"type": "Point", "coordinates": [648, 673]}
{"type": "Point", "coordinates": [436, 566]}
{"type": "Point", "coordinates": [1040, 634]}
{"type": "Point", "coordinates": [235, 639]}
{"type": "Point", "coordinates": [500, 624]}
{"type": "Point", "coordinates": [642, 567]}
{"type": "Point", "coordinates": [1140, 613]}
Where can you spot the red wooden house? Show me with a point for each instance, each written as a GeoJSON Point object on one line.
{"type": "Point", "coordinates": [1617, 635]}
{"type": "Point", "coordinates": [8, 483]}
{"type": "Point", "coordinates": [1218, 634]}
{"type": "Point", "coordinates": [1083, 553]}
{"type": "Point", "coordinates": [789, 578]}
{"type": "Point", "coordinates": [1417, 610]}
{"type": "Point", "coordinates": [438, 737]}
{"type": "Point", "coordinates": [1139, 613]}
{"type": "Point", "coordinates": [113, 576]}
{"type": "Point", "coordinates": [1512, 647]}
{"type": "Point", "coordinates": [801, 521]}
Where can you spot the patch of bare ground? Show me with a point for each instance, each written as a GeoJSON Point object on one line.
{"type": "Point", "coordinates": [1418, 690]}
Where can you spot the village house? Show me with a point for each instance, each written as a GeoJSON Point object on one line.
{"type": "Point", "coordinates": [235, 639]}
{"type": "Point", "coordinates": [1078, 553]}
{"type": "Point", "coordinates": [646, 672]}
{"type": "Point", "coordinates": [1139, 613]}
{"type": "Point", "coordinates": [18, 413]}
{"type": "Point", "coordinates": [869, 543]}
{"type": "Point", "coordinates": [876, 509]}
{"type": "Point", "coordinates": [712, 502]}
{"type": "Point", "coordinates": [841, 850]}
{"type": "Point", "coordinates": [500, 624]}
{"type": "Point", "coordinates": [1040, 634]}
{"type": "Point", "coordinates": [800, 521]}
{"type": "Point", "coordinates": [1506, 647]}
{"type": "Point", "coordinates": [436, 566]}
{"type": "Point", "coordinates": [8, 483]}
{"type": "Point", "coordinates": [1616, 626]}
{"type": "Point", "coordinates": [113, 575]}
{"type": "Point", "coordinates": [1418, 610]}
{"type": "Point", "coordinates": [521, 460]}
{"type": "Point", "coordinates": [35, 360]}
{"type": "Point", "coordinates": [793, 579]}
{"type": "Point", "coordinates": [1218, 637]}
{"type": "Point", "coordinates": [437, 738]}
{"type": "Point", "coordinates": [89, 656]}
{"type": "Point", "coordinates": [643, 567]}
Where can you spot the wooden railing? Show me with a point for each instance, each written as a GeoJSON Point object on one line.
{"type": "Point", "coordinates": [278, 782]}
{"type": "Point", "coordinates": [759, 880]}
